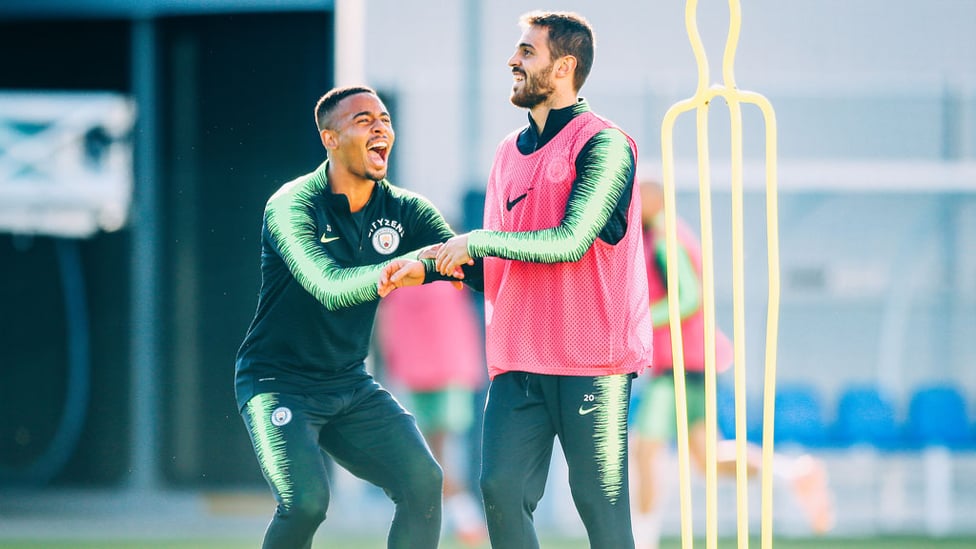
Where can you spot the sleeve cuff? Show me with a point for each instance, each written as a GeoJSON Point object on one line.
{"type": "Point", "coordinates": [478, 243]}
{"type": "Point", "coordinates": [430, 271]}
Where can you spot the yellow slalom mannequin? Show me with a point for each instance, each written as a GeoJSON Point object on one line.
{"type": "Point", "coordinates": [700, 102]}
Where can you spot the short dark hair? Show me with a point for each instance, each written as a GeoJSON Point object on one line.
{"type": "Point", "coordinates": [327, 103]}
{"type": "Point", "coordinates": [569, 34]}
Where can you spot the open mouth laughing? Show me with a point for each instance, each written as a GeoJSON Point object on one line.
{"type": "Point", "coordinates": [378, 151]}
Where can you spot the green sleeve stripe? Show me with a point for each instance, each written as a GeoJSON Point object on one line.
{"type": "Point", "coordinates": [598, 186]}
{"type": "Point", "coordinates": [430, 217]}
{"type": "Point", "coordinates": [292, 227]}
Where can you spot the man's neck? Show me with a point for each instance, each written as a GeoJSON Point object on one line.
{"type": "Point", "coordinates": [357, 189]}
{"type": "Point", "coordinates": [540, 113]}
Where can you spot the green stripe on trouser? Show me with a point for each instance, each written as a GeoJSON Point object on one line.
{"type": "Point", "coordinates": [610, 431]}
{"type": "Point", "coordinates": [269, 444]}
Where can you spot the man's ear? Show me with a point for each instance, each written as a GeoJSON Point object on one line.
{"type": "Point", "coordinates": [566, 66]}
{"type": "Point", "coordinates": [329, 140]}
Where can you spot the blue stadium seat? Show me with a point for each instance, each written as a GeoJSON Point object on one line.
{"type": "Point", "coordinates": [725, 410]}
{"type": "Point", "coordinates": [866, 415]}
{"type": "Point", "coordinates": [799, 416]}
{"type": "Point", "coordinates": [725, 400]}
{"type": "Point", "coordinates": [937, 416]}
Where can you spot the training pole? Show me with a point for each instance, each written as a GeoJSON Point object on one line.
{"type": "Point", "coordinates": [700, 102]}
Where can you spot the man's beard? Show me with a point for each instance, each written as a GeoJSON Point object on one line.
{"type": "Point", "coordinates": [535, 89]}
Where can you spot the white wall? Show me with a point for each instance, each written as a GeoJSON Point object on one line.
{"type": "Point", "coordinates": [801, 49]}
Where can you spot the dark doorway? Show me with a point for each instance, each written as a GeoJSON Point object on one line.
{"type": "Point", "coordinates": [239, 97]}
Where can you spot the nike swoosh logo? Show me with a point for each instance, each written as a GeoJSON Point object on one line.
{"type": "Point", "coordinates": [584, 411]}
{"type": "Point", "coordinates": [509, 204]}
{"type": "Point", "coordinates": [326, 240]}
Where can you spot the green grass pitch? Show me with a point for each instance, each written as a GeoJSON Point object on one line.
{"type": "Point", "coordinates": [547, 543]}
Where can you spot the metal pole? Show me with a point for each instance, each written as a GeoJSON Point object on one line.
{"type": "Point", "coordinates": [474, 176]}
{"type": "Point", "coordinates": [350, 42]}
{"type": "Point", "coordinates": [145, 402]}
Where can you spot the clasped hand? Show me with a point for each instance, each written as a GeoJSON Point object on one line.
{"type": "Point", "coordinates": [452, 254]}
{"type": "Point", "coordinates": [410, 272]}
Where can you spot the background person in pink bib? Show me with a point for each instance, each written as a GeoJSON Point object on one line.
{"type": "Point", "coordinates": [430, 342]}
{"type": "Point", "coordinates": [655, 420]}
